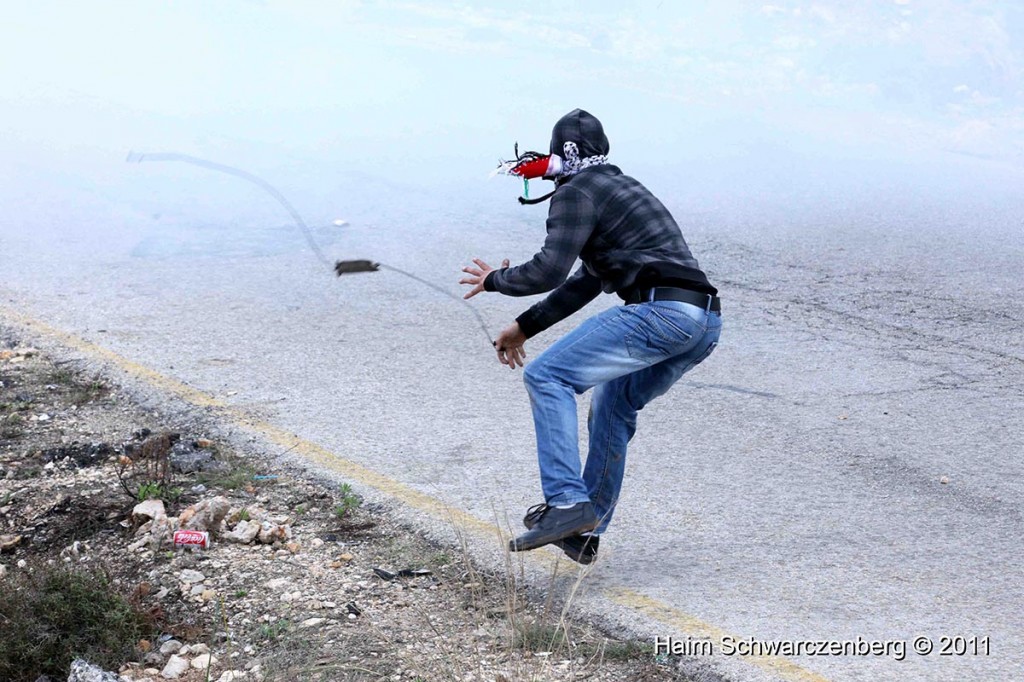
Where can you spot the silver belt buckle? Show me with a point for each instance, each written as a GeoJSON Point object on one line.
{"type": "Point", "coordinates": [651, 298]}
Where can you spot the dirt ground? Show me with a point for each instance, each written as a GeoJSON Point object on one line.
{"type": "Point", "coordinates": [301, 580]}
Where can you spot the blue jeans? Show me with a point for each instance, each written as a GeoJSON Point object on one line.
{"type": "Point", "coordinates": [630, 355]}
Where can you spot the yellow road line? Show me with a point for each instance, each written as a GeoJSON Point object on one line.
{"type": "Point", "coordinates": [183, 391]}
{"type": "Point", "coordinates": [652, 608]}
{"type": "Point", "coordinates": [309, 450]}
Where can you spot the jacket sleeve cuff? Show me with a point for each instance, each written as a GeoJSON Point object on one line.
{"type": "Point", "coordinates": [489, 281]}
{"type": "Point", "coordinates": [530, 323]}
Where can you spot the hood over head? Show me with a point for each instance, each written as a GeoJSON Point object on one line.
{"type": "Point", "coordinates": [582, 128]}
{"type": "Point", "coordinates": [578, 142]}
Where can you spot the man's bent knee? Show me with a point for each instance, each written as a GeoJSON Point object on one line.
{"type": "Point", "coordinates": [532, 374]}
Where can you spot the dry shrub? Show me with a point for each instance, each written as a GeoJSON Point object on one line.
{"type": "Point", "coordinates": [50, 615]}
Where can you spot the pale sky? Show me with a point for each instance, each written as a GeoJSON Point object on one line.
{"type": "Point", "coordinates": [441, 90]}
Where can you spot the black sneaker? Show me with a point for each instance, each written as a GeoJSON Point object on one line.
{"type": "Point", "coordinates": [580, 548]}
{"type": "Point", "coordinates": [553, 524]}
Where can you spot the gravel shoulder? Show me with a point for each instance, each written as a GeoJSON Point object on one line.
{"type": "Point", "coordinates": [302, 579]}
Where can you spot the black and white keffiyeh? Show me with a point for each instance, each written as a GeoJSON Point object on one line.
{"type": "Point", "coordinates": [573, 164]}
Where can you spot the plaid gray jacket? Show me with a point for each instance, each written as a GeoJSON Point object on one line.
{"type": "Point", "coordinates": [618, 229]}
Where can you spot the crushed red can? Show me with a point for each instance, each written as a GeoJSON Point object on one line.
{"type": "Point", "coordinates": [191, 538]}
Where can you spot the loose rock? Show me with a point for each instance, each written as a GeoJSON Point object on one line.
{"type": "Point", "coordinates": [187, 460]}
{"type": "Point", "coordinates": [232, 675]}
{"type": "Point", "coordinates": [150, 509]}
{"type": "Point", "coordinates": [83, 671]}
{"type": "Point", "coordinates": [189, 576]}
{"type": "Point", "coordinates": [171, 646]}
{"type": "Point", "coordinates": [279, 584]}
{"type": "Point", "coordinates": [271, 533]}
{"type": "Point", "coordinates": [312, 622]}
{"type": "Point", "coordinates": [204, 661]}
{"type": "Point", "coordinates": [244, 532]}
{"type": "Point", "coordinates": [78, 454]}
{"type": "Point", "coordinates": [176, 667]}
{"type": "Point", "coordinates": [207, 515]}
{"type": "Point", "coordinates": [153, 658]}
{"type": "Point", "coordinates": [190, 461]}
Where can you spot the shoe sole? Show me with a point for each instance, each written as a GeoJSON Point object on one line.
{"type": "Point", "coordinates": [540, 541]}
{"type": "Point", "coordinates": [580, 556]}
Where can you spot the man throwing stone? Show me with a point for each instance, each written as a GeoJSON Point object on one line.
{"type": "Point", "coordinates": [670, 322]}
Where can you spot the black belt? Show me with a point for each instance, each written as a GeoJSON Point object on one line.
{"type": "Point", "coordinates": [675, 294]}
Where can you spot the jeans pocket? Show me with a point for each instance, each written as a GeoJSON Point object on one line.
{"type": "Point", "coordinates": [655, 337]}
{"type": "Point", "coordinates": [676, 323]}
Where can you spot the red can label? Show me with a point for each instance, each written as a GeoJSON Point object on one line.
{"type": "Point", "coordinates": [192, 538]}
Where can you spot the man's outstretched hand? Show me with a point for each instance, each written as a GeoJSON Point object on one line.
{"type": "Point", "coordinates": [478, 275]}
{"type": "Point", "coordinates": [509, 345]}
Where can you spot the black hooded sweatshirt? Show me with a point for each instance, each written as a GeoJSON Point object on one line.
{"type": "Point", "coordinates": [625, 237]}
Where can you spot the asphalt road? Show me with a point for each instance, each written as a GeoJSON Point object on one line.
{"type": "Point", "coordinates": [789, 488]}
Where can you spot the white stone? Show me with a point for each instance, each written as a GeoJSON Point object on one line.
{"type": "Point", "coordinates": [204, 661]}
{"type": "Point", "coordinates": [171, 646]}
{"type": "Point", "coordinates": [244, 532]}
{"type": "Point", "coordinates": [189, 576]}
{"type": "Point", "coordinates": [83, 671]}
{"type": "Point", "coordinates": [312, 622]}
{"type": "Point", "coordinates": [175, 668]}
{"type": "Point", "coordinates": [150, 509]}
{"type": "Point", "coordinates": [207, 515]}
{"type": "Point", "coordinates": [232, 675]}
{"type": "Point", "coordinates": [271, 533]}
{"type": "Point", "coordinates": [279, 584]}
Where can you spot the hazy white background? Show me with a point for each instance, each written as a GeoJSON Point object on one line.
{"type": "Point", "coordinates": [352, 108]}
